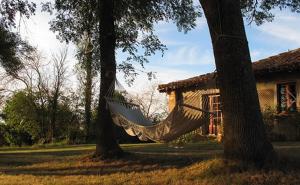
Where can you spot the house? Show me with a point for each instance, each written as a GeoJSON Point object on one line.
{"type": "Point", "coordinates": [278, 86]}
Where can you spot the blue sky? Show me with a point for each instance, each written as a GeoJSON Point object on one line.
{"type": "Point", "coordinates": [188, 54]}
{"type": "Point", "coordinates": [191, 54]}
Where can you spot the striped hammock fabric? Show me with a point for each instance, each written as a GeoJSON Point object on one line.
{"type": "Point", "coordinates": [188, 115]}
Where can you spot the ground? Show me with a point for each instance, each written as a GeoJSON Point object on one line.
{"type": "Point", "coordinates": [198, 163]}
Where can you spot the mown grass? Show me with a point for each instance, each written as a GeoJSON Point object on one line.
{"type": "Point", "coordinates": [198, 163]}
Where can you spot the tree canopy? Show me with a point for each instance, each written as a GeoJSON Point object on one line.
{"type": "Point", "coordinates": [13, 48]}
{"type": "Point", "coordinates": [134, 22]}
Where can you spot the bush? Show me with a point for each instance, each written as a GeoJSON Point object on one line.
{"type": "Point", "coordinates": [17, 137]}
{"type": "Point", "coordinates": [287, 125]}
{"type": "Point", "coordinates": [75, 136]}
{"type": "Point", "coordinates": [190, 137]}
{"type": "Point", "coordinates": [27, 122]}
{"type": "Point", "coordinates": [269, 116]}
{"type": "Point", "coordinates": [21, 118]}
{"type": "Point", "coordinates": [3, 141]}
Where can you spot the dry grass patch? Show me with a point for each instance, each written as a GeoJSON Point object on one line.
{"type": "Point", "coordinates": [147, 164]}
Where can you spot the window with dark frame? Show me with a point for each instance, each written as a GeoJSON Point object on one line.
{"type": "Point", "coordinates": [216, 118]}
{"type": "Point", "coordinates": [287, 97]}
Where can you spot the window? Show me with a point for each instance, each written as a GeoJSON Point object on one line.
{"type": "Point", "coordinates": [216, 118]}
{"type": "Point", "coordinates": [287, 97]}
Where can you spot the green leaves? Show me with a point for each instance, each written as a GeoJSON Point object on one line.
{"type": "Point", "coordinates": [261, 11]}
{"type": "Point", "coordinates": [28, 119]}
{"type": "Point", "coordinates": [134, 23]}
{"type": "Point", "coordinates": [21, 114]}
{"type": "Point", "coordinates": [12, 47]}
{"type": "Point", "coordinates": [12, 50]}
{"type": "Point", "coordinates": [10, 8]}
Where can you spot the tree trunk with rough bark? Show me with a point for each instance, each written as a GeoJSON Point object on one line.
{"type": "Point", "coordinates": [244, 132]}
{"type": "Point", "coordinates": [88, 90]}
{"type": "Point", "coordinates": [106, 144]}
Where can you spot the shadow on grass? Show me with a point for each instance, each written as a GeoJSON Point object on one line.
{"type": "Point", "coordinates": [23, 159]}
{"type": "Point", "coordinates": [41, 147]}
{"type": "Point", "coordinates": [130, 163]}
{"type": "Point", "coordinates": [140, 158]}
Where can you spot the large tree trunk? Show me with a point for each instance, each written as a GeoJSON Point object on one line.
{"type": "Point", "coordinates": [88, 89]}
{"type": "Point", "coordinates": [244, 132]}
{"type": "Point", "coordinates": [107, 146]}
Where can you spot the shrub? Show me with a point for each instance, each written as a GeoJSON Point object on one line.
{"type": "Point", "coordinates": [3, 141]}
{"type": "Point", "coordinates": [190, 137]}
{"type": "Point", "coordinates": [17, 137]}
{"type": "Point", "coordinates": [269, 116]}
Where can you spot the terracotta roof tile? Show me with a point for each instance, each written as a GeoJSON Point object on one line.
{"type": "Point", "coordinates": [284, 62]}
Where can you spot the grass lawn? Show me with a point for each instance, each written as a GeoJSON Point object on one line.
{"type": "Point", "coordinates": [147, 164]}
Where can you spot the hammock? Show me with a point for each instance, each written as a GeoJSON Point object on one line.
{"type": "Point", "coordinates": [185, 117]}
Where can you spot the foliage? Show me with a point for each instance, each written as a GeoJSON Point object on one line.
{"type": "Point", "coordinates": [191, 137]}
{"type": "Point", "coordinates": [269, 117]}
{"type": "Point", "coordinates": [152, 103]}
{"type": "Point", "coordinates": [17, 136]}
{"type": "Point", "coordinates": [70, 121]}
{"type": "Point", "coordinates": [3, 130]}
{"type": "Point", "coordinates": [261, 11]}
{"type": "Point", "coordinates": [10, 8]}
{"type": "Point", "coordinates": [289, 121]}
{"type": "Point", "coordinates": [25, 124]}
{"type": "Point", "coordinates": [13, 49]}
{"type": "Point", "coordinates": [20, 116]}
{"type": "Point", "coordinates": [134, 32]}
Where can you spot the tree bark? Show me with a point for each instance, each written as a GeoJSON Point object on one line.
{"type": "Point", "coordinates": [106, 146]}
{"type": "Point", "coordinates": [244, 132]}
{"type": "Point", "coordinates": [88, 89]}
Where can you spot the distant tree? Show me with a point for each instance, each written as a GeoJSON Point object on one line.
{"type": "Point", "coordinates": [55, 90]}
{"type": "Point", "coordinates": [152, 103]}
{"type": "Point", "coordinates": [20, 117]}
{"type": "Point", "coordinates": [69, 121]}
{"type": "Point", "coordinates": [56, 109]}
{"type": "Point", "coordinates": [33, 78]}
{"type": "Point", "coordinates": [86, 72]}
{"type": "Point", "coordinates": [45, 86]}
{"type": "Point", "coordinates": [23, 123]}
{"type": "Point", "coordinates": [75, 23]}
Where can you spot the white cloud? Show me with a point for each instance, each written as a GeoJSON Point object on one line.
{"type": "Point", "coordinates": [189, 55]}
{"type": "Point", "coordinates": [163, 27]}
{"type": "Point", "coordinates": [287, 18]}
{"type": "Point", "coordinates": [201, 22]}
{"type": "Point", "coordinates": [173, 42]}
{"type": "Point", "coordinates": [37, 32]}
{"type": "Point", "coordinates": [282, 32]}
{"type": "Point", "coordinates": [255, 54]}
{"type": "Point", "coordinates": [258, 54]}
{"type": "Point", "coordinates": [285, 28]}
{"type": "Point", "coordinates": [163, 75]}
